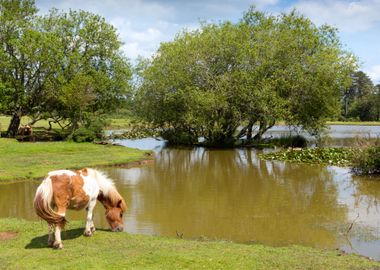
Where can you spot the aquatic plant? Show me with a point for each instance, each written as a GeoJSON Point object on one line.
{"type": "Point", "coordinates": [329, 156]}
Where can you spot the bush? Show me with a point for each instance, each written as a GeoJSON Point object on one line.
{"type": "Point", "coordinates": [90, 131]}
{"type": "Point", "coordinates": [176, 137]}
{"type": "Point", "coordinates": [366, 160]}
{"type": "Point", "coordinates": [290, 141]}
{"type": "Point", "coordinates": [83, 135]}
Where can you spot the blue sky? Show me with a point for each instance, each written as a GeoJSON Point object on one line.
{"type": "Point", "coordinates": [143, 24]}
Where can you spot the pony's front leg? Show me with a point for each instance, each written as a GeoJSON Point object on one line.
{"type": "Point", "coordinates": [90, 228]}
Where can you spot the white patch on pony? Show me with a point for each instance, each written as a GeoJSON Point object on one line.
{"type": "Point", "coordinates": [62, 172]}
{"type": "Point", "coordinates": [90, 186]}
{"type": "Point", "coordinates": [104, 183]}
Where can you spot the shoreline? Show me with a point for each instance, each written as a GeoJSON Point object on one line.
{"type": "Point", "coordinates": [32, 161]}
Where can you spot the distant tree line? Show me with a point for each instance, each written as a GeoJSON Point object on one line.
{"type": "Point", "coordinates": [223, 82]}
{"type": "Point", "coordinates": [361, 101]}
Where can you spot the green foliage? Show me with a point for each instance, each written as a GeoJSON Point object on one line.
{"type": "Point", "coordinates": [62, 66]}
{"type": "Point", "coordinates": [367, 161]}
{"type": "Point", "coordinates": [361, 100]}
{"type": "Point", "coordinates": [262, 69]}
{"type": "Point", "coordinates": [290, 141]}
{"type": "Point", "coordinates": [137, 130]}
{"type": "Point", "coordinates": [328, 156]}
{"type": "Point", "coordinates": [91, 130]}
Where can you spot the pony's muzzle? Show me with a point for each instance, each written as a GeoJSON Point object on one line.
{"type": "Point", "coordinates": [118, 229]}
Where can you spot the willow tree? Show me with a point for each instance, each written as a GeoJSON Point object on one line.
{"type": "Point", "coordinates": [209, 81]}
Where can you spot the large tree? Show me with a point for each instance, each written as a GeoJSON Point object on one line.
{"type": "Point", "coordinates": [92, 75]}
{"type": "Point", "coordinates": [265, 68]}
{"type": "Point", "coordinates": [66, 67]}
{"type": "Point", "coordinates": [20, 59]}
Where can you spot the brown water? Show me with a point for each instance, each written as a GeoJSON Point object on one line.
{"type": "Point", "coordinates": [233, 195]}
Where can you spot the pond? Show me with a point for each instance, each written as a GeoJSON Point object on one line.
{"type": "Point", "coordinates": [232, 195]}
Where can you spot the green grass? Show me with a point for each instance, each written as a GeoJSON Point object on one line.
{"type": "Point", "coordinates": [33, 160]}
{"type": "Point", "coordinates": [108, 250]}
{"type": "Point", "coordinates": [114, 123]}
{"type": "Point", "coordinates": [354, 123]}
{"type": "Point", "coordinates": [4, 122]}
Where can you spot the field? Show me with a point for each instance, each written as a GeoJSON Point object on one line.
{"type": "Point", "coordinates": [107, 250]}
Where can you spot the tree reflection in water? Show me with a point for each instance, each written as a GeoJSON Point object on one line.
{"type": "Point", "coordinates": [232, 195]}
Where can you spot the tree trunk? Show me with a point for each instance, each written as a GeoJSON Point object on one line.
{"type": "Point", "coordinates": [262, 129]}
{"type": "Point", "coordinates": [14, 125]}
{"type": "Point", "coordinates": [249, 130]}
{"type": "Point", "coordinates": [264, 126]}
{"type": "Point", "coordinates": [346, 107]}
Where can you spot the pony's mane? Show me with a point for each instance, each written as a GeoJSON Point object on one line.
{"type": "Point", "coordinates": [107, 187]}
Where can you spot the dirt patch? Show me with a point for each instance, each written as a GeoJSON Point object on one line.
{"type": "Point", "coordinates": [7, 235]}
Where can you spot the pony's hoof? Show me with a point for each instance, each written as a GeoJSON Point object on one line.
{"type": "Point", "coordinates": [92, 229]}
{"type": "Point", "coordinates": [50, 243]}
{"type": "Point", "coordinates": [87, 233]}
{"type": "Point", "coordinates": [57, 245]}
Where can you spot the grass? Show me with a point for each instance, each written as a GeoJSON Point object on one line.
{"type": "Point", "coordinates": [33, 160]}
{"type": "Point", "coordinates": [108, 250]}
{"type": "Point", "coordinates": [354, 123]}
{"type": "Point", "coordinates": [115, 123]}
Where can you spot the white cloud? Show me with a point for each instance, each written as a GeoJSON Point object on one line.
{"type": "Point", "coordinates": [374, 73]}
{"type": "Point", "coordinates": [143, 42]}
{"type": "Point", "coordinates": [348, 16]}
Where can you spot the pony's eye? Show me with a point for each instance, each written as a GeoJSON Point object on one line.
{"type": "Point", "coordinates": [121, 215]}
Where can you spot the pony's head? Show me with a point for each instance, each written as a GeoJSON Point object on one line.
{"type": "Point", "coordinates": [114, 216]}
{"type": "Point", "coordinates": [111, 199]}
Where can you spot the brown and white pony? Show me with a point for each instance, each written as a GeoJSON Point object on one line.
{"type": "Point", "coordinates": [65, 189]}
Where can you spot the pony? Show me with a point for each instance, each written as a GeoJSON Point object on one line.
{"type": "Point", "coordinates": [65, 189]}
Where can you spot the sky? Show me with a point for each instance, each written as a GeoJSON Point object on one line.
{"type": "Point", "coordinates": [143, 24]}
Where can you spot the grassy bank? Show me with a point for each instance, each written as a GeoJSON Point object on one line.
{"type": "Point", "coordinates": [34, 160]}
{"type": "Point", "coordinates": [108, 250]}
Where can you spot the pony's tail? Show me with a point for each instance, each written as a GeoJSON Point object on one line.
{"type": "Point", "coordinates": [42, 204]}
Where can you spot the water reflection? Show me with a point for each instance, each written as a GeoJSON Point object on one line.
{"type": "Point", "coordinates": [233, 195]}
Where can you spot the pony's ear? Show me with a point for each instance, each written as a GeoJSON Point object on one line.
{"type": "Point", "coordinates": [119, 203]}
{"type": "Point", "coordinates": [84, 171]}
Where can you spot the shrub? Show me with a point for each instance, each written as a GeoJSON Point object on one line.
{"type": "Point", "coordinates": [290, 141]}
{"type": "Point", "coordinates": [90, 131]}
{"type": "Point", "coordinates": [366, 160]}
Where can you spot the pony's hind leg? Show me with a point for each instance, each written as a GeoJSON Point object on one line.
{"type": "Point", "coordinates": [58, 227]}
{"type": "Point", "coordinates": [90, 228]}
{"type": "Point", "coordinates": [58, 241]}
{"type": "Point", "coordinates": [51, 235]}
